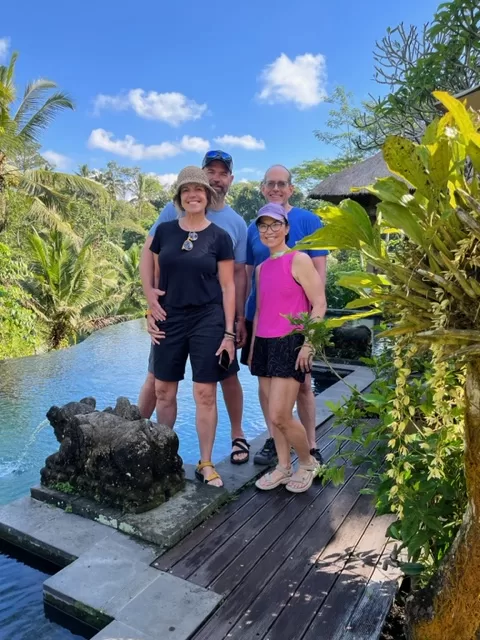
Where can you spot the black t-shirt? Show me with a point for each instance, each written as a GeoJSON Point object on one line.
{"type": "Point", "coordinates": [190, 278]}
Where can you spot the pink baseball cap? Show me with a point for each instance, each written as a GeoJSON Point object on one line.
{"type": "Point", "coordinates": [272, 210]}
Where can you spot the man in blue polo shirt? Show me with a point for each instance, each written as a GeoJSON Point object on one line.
{"type": "Point", "coordinates": [218, 165]}
{"type": "Point", "coordinates": [277, 187]}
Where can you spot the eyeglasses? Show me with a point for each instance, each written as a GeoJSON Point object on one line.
{"type": "Point", "coordinates": [263, 227]}
{"type": "Point", "coordinates": [224, 157]}
{"type": "Point", "coordinates": [281, 184]}
{"type": "Point", "coordinates": [188, 244]}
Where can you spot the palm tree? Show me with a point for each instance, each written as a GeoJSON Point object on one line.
{"type": "Point", "coordinates": [84, 171]}
{"type": "Point", "coordinates": [430, 291]}
{"type": "Point", "coordinates": [21, 129]}
{"type": "Point", "coordinates": [67, 285]}
{"type": "Point", "coordinates": [128, 293]}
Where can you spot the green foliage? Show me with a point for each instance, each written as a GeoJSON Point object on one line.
{"type": "Point", "coordinates": [337, 296]}
{"type": "Point", "coordinates": [427, 289]}
{"type": "Point", "coordinates": [341, 132]}
{"type": "Point", "coordinates": [413, 63]}
{"type": "Point", "coordinates": [418, 473]}
{"type": "Point", "coordinates": [64, 487]}
{"type": "Point", "coordinates": [67, 285]}
{"type": "Point", "coordinates": [20, 331]}
{"type": "Point", "coordinates": [246, 199]}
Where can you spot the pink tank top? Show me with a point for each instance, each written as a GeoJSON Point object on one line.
{"type": "Point", "coordinates": [279, 293]}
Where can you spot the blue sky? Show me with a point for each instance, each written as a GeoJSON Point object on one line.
{"type": "Point", "coordinates": [156, 83]}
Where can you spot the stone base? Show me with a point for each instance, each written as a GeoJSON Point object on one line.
{"type": "Point", "coordinates": [163, 526]}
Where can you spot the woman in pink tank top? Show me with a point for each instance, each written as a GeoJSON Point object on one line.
{"type": "Point", "coordinates": [287, 285]}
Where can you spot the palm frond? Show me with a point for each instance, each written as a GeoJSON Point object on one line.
{"type": "Point", "coordinates": [34, 96]}
{"type": "Point", "coordinates": [50, 218]}
{"type": "Point", "coordinates": [35, 123]}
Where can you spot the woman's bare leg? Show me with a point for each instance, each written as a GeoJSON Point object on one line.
{"type": "Point", "coordinates": [282, 395]}
{"type": "Point", "coordinates": [205, 394]}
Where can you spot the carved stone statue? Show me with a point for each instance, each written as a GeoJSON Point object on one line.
{"type": "Point", "coordinates": [113, 456]}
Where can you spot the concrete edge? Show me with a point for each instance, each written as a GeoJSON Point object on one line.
{"type": "Point", "coordinates": [36, 547]}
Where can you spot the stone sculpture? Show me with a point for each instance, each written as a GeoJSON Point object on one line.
{"type": "Point", "coordinates": [113, 456]}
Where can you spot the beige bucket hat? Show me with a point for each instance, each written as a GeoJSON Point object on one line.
{"type": "Point", "coordinates": [192, 175]}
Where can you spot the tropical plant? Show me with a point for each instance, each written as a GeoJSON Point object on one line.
{"type": "Point", "coordinates": [20, 331]}
{"type": "Point", "coordinates": [429, 291]}
{"type": "Point", "coordinates": [337, 296]}
{"type": "Point", "coordinates": [246, 198]}
{"type": "Point", "coordinates": [430, 505]}
{"type": "Point", "coordinates": [68, 286]}
{"type": "Point", "coordinates": [20, 131]}
{"type": "Point", "coordinates": [128, 294]}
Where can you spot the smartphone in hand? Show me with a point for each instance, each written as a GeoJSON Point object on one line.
{"type": "Point", "coordinates": [224, 360]}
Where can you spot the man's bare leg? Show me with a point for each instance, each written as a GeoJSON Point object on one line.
{"type": "Point", "coordinates": [166, 396]}
{"type": "Point", "coordinates": [233, 397]}
{"type": "Point", "coordinates": [147, 399]}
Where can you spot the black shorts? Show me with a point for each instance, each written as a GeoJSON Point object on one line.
{"type": "Point", "coordinates": [276, 357]}
{"type": "Point", "coordinates": [196, 332]}
{"type": "Point", "coordinates": [246, 349]}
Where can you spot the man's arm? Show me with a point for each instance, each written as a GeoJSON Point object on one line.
{"type": "Point", "coordinates": [149, 274]}
{"type": "Point", "coordinates": [240, 276]}
{"type": "Point", "coordinates": [249, 269]}
{"type": "Point", "coordinates": [320, 264]}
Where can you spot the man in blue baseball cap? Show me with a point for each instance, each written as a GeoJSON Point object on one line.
{"type": "Point", "coordinates": [218, 166]}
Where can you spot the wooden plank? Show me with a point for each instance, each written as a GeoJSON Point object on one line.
{"type": "Point", "coordinates": [228, 552]}
{"type": "Point", "coordinates": [368, 618]}
{"type": "Point", "coordinates": [200, 554]}
{"type": "Point", "coordinates": [166, 561]}
{"type": "Point", "coordinates": [223, 531]}
{"type": "Point", "coordinates": [323, 510]}
{"type": "Point", "coordinates": [245, 560]}
{"type": "Point", "coordinates": [272, 600]}
{"type": "Point", "coordinates": [335, 612]}
{"type": "Point", "coordinates": [298, 607]}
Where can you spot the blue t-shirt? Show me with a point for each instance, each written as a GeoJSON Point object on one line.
{"type": "Point", "coordinates": [302, 223]}
{"type": "Point", "coordinates": [226, 219]}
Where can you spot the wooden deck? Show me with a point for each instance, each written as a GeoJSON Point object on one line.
{"type": "Point", "coordinates": [292, 567]}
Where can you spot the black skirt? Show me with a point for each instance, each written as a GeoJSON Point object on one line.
{"type": "Point", "coordinates": [276, 357]}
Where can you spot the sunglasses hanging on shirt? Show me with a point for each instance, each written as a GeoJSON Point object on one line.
{"type": "Point", "coordinates": [188, 244]}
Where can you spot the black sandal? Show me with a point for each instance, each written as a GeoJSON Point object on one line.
{"type": "Point", "coordinates": [243, 447]}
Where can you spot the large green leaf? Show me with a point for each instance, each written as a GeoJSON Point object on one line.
{"type": "Point", "coordinates": [362, 280]}
{"type": "Point", "coordinates": [402, 159]}
{"type": "Point", "coordinates": [403, 218]}
{"type": "Point", "coordinates": [332, 323]}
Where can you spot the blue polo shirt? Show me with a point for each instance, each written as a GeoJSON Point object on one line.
{"type": "Point", "coordinates": [227, 219]}
{"type": "Point", "coordinates": [302, 223]}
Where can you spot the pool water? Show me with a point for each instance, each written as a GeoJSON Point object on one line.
{"type": "Point", "coordinates": [110, 363]}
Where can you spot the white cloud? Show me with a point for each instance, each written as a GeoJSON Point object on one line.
{"type": "Point", "coordinates": [301, 81]}
{"type": "Point", "coordinates": [246, 142]}
{"type": "Point", "coordinates": [58, 160]}
{"type": "Point", "coordinates": [173, 107]}
{"type": "Point", "coordinates": [165, 179]}
{"type": "Point", "coordinates": [4, 47]}
{"type": "Point", "coordinates": [130, 148]}
{"type": "Point", "coordinates": [194, 143]}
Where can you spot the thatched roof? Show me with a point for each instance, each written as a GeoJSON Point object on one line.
{"type": "Point", "coordinates": [362, 174]}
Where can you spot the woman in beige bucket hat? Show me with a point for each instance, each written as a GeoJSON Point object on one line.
{"type": "Point", "coordinates": [196, 263]}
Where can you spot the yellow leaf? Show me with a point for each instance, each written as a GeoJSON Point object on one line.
{"type": "Point", "coordinates": [459, 112]}
{"type": "Point", "coordinates": [332, 323]}
{"type": "Point", "coordinates": [402, 159]}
